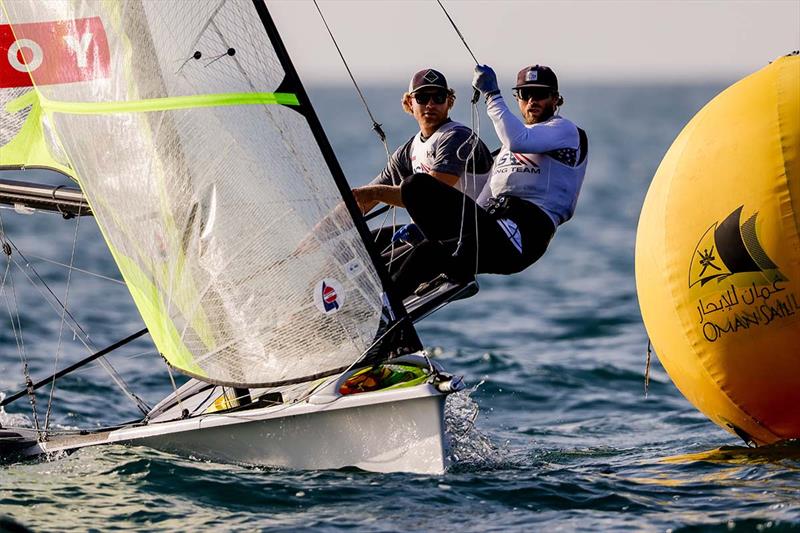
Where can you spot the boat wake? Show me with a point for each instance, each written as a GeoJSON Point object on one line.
{"type": "Point", "coordinates": [470, 449]}
{"type": "Point", "coordinates": [12, 420]}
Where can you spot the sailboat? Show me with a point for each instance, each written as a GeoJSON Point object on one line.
{"type": "Point", "coordinates": [199, 155]}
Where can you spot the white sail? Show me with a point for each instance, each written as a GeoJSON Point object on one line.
{"type": "Point", "coordinates": [206, 181]}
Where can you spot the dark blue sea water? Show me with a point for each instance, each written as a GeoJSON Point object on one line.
{"type": "Point", "coordinates": [554, 434]}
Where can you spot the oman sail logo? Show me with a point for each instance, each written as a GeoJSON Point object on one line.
{"type": "Point", "coordinates": [737, 285]}
{"type": "Point", "coordinates": [731, 247]}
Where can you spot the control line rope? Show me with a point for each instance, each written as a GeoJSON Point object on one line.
{"type": "Point", "coordinates": [474, 139]}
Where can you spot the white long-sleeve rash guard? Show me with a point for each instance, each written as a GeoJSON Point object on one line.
{"type": "Point", "coordinates": [540, 163]}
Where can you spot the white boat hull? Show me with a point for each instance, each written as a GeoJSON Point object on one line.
{"type": "Point", "coordinates": [395, 433]}
{"type": "Point", "coordinates": [398, 430]}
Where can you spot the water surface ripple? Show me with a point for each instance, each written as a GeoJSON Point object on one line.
{"type": "Point", "coordinates": [554, 434]}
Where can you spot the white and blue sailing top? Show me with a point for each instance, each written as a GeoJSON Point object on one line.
{"type": "Point", "coordinates": [447, 150]}
{"type": "Point", "coordinates": [543, 163]}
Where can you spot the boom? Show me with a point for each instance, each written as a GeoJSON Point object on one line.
{"type": "Point", "coordinates": [22, 195]}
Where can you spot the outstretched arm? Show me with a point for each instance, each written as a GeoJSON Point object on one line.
{"type": "Point", "coordinates": [368, 196]}
{"type": "Point", "coordinates": [534, 139]}
{"type": "Point", "coordinates": [511, 131]}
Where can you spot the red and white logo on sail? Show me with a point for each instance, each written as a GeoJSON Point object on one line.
{"type": "Point", "coordinates": [328, 296]}
{"type": "Point", "coordinates": [60, 51]}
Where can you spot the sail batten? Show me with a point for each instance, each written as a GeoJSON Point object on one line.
{"type": "Point", "coordinates": [209, 187]}
{"type": "Point", "coordinates": [165, 104]}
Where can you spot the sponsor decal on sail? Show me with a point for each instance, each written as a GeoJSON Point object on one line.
{"type": "Point", "coordinates": [61, 51]}
{"type": "Point", "coordinates": [328, 296]}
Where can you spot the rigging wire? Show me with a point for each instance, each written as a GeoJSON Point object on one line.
{"type": "Point", "coordinates": [70, 267]}
{"type": "Point", "coordinates": [16, 326]}
{"type": "Point", "coordinates": [476, 94]}
{"type": "Point", "coordinates": [184, 412]}
{"type": "Point", "coordinates": [61, 325]}
{"type": "Point", "coordinates": [457, 30]}
{"type": "Point", "coordinates": [470, 183]}
{"type": "Point", "coordinates": [73, 368]}
{"type": "Point", "coordinates": [474, 139]}
{"type": "Point", "coordinates": [476, 128]}
{"type": "Point", "coordinates": [46, 286]}
{"type": "Point", "coordinates": [376, 127]}
{"type": "Point", "coordinates": [128, 357]}
{"type": "Point", "coordinates": [73, 324]}
{"type": "Point", "coordinates": [81, 335]}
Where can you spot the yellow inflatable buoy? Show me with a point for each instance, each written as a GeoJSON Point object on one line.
{"type": "Point", "coordinates": [718, 257]}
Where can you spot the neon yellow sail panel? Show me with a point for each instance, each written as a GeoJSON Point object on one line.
{"type": "Point", "coordinates": [718, 256]}
{"type": "Point", "coordinates": [207, 184]}
{"type": "Point", "coordinates": [25, 140]}
{"type": "Point", "coordinates": [23, 143]}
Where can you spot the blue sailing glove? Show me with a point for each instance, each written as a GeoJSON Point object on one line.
{"type": "Point", "coordinates": [409, 234]}
{"type": "Point", "coordinates": [485, 80]}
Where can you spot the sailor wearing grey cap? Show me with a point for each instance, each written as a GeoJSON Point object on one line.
{"type": "Point", "coordinates": [532, 189]}
{"type": "Point", "coordinates": [441, 148]}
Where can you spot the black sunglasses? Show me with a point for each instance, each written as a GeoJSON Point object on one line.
{"type": "Point", "coordinates": [439, 97]}
{"type": "Point", "coordinates": [537, 93]}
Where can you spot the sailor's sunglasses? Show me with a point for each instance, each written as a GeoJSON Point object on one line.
{"type": "Point", "coordinates": [438, 97]}
{"type": "Point", "coordinates": [537, 93]}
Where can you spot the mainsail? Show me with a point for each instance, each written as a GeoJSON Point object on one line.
{"type": "Point", "coordinates": [206, 169]}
